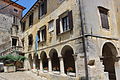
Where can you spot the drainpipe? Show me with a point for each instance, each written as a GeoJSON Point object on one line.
{"type": "Point", "coordinates": [82, 19]}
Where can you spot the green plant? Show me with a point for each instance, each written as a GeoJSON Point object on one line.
{"type": "Point", "coordinates": [11, 59]}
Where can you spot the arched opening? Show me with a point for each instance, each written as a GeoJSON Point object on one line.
{"type": "Point", "coordinates": [44, 60]}
{"type": "Point", "coordinates": [55, 60]}
{"type": "Point", "coordinates": [69, 62]}
{"type": "Point", "coordinates": [30, 42]}
{"type": "Point", "coordinates": [109, 54]}
{"type": "Point", "coordinates": [30, 61]}
{"type": "Point", "coordinates": [37, 61]}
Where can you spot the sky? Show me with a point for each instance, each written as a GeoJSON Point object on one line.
{"type": "Point", "coordinates": [26, 3]}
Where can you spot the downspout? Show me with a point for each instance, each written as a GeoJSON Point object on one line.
{"type": "Point", "coordinates": [81, 9]}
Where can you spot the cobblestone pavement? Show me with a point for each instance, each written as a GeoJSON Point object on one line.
{"type": "Point", "coordinates": [20, 76]}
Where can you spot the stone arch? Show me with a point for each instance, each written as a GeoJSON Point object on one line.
{"type": "Point", "coordinates": [30, 40]}
{"type": "Point", "coordinates": [37, 61]}
{"type": "Point", "coordinates": [107, 41]}
{"type": "Point", "coordinates": [44, 59]}
{"type": "Point", "coordinates": [109, 53]}
{"type": "Point", "coordinates": [55, 60]}
{"type": "Point", "coordinates": [30, 61]}
{"type": "Point", "coordinates": [68, 58]}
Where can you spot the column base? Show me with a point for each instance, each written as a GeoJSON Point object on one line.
{"type": "Point", "coordinates": [41, 71]}
{"type": "Point", "coordinates": [63, 74]}
{"type": "Point", "coordinates": [50, 72]}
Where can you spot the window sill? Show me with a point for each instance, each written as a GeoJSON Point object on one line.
{"type": "Point", "coordinates": [30, 26]}
{"type": "Point", "coordinates": [106, 29]}
{"type": "Point", "coordinates": [41, 41]}
{"type": "Point", "coordinates": [51, 31]}
{"type": "Point", "coordinates": [64, 32]}
{"type": "Point", "coordinates": [42, 16]}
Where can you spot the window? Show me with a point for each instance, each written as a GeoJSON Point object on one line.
{"type": "Point", "coordinates": [50, 26]}
{"type": "Point", "coordinates": [14, 20]}
{"type": "Point", "coordinates": [42, 8]}
{"type": "Point", "coordinates": [31, 19]}
{"type": "Point", "coordinates": [14, 42]}
{"type": "Point", "coordinates": [64, 22]}
{"type": "Point", "coordinates": [30, 40]}
{"type": "Point", "coordinates": [15, 10]}
{"type": "Point", "coordinates": [23, 26]}
{"type": "Point", "coordinates": [42, 34]}
{"type": "Point", "coordinates": [104, 17]}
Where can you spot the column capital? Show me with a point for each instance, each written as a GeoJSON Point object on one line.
{"type": "Point", "coordinates": [60, 57]}
{"type": "Point", "coordinates": [49, 59]}
{"type": "Point", "coordinates": [75, 56]}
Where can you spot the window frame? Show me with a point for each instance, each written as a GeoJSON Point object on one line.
{"type": "Point", "coordinates": [23, 26]}
{"type": "Point", "coordinates": [42, 34]}
{"type": "Point", "coordinates": [31, 19]}
{"type": "Point", "coordinates": [104, 17]}
{"type": "Point", "coordinates": [51, 22]}
{"type": "Point", "coordinates": [16, 42]}
{"type": "Point", "coordinates": [16, 10]}
{"type": "Point", "coordinates": [42, 10]}
{"type": "Point", "coordinates": [59, 25]}
{"type": "Point", "coordinates": [30, 40]}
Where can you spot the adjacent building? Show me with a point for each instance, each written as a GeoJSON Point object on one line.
{"type": "Point", "coordinates": [68, 39]}
{"type": "Point", "coordinates": [10, 15]}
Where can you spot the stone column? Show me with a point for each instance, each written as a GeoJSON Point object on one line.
{"type": "Point", "coordinates": [76, 68]}
{"type": "Point", "coordinates": [34, 67]}
{"type": "Point", "coordinates": [49, 65]}
{"type": "Point", "coordinates": [41, 66]}
{"type": "Point", "coordinates": [62, 71]}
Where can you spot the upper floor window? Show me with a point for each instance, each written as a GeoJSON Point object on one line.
{"type": "Point", "coordinates": [64, 22]}
{"type": "Point", "coordinates": [42, 34]}
{"type": "Point", "coordinates": [30, 40]}
{"type": "Point", "coordinates": [15, 20]}
{"type": "Point", "coordinates": [15, 10]}
{"type": "Point", "coordinates": [23, 26]}
{"type": "Point", "coordinates": [31, 19]}
{"type": "Point", "coordinates": [51, 26]}
{"type": "Point", "coordinates": [42, 8]}
{"type": "Point", "coordinates": [14, 41]}
{"type": "Point", "coordinates": [104, 17]}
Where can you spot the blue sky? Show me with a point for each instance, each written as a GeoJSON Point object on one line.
{"type": "Point", "coordinates": [26, 3]}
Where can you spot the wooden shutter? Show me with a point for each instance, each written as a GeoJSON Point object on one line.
{"type": "Point", "coordinates": [45, 6]}
{"type": "Point", "coordinates": [29, 21]}
{"type": "Point", "coordinates": [57, 26]}
{"type": "Point", "coordinates": [39, 11]}
{"type": "Point", "coordinates": [23, 26]}
{"type": "Point", "coordinates": [104, 17]}
{"type": "Point", "coordinates": [32, 19]}
{"type": "Point", "coordinates": [70, 19]}
{"type": "Point", "coordinates": [38, 33]}
{"type": "Point", "coordinates": [45, 33]}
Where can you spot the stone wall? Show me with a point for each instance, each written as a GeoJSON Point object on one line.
{"type": "Point", "coordinates": [6, 24]}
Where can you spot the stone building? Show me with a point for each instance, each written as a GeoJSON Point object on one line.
{"type": "Point", "coordinates": [10, 15]}
{"type": "Point", "coordinates": [75, 38]}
